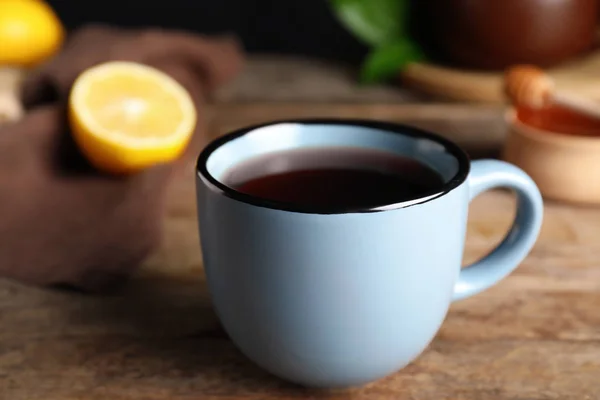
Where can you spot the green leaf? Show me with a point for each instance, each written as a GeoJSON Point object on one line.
{"type": "Point", "coordinates": [388, 60]}
{"type": "Point", "coordinates": [372, 21]}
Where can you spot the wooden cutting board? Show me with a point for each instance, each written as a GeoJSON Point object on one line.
{"type": "Point", "coordinates": [581, 76]}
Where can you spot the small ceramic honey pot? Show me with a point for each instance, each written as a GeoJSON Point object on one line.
{"type": "Point", "coordinates": [559, 149]}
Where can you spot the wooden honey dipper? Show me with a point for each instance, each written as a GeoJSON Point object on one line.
{"type": "Point", "coordinates": [529, 86]}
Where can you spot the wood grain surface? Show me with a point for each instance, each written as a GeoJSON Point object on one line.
{"type": "Point", "coordinates": [534, 336]}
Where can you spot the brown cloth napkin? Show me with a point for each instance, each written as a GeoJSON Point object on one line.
{"type": "Point", "coordinates": [62, 222]}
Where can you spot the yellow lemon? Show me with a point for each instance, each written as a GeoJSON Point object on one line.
{"type": "Point", "coordinates": [30, 32]}
{"type": "Point", "coordinates": [127, 116]}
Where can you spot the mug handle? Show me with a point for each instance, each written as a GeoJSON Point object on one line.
{"type": "Point", "coordinates": [490, 174]}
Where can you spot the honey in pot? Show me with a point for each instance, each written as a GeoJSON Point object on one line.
{"type": "Point", "coordinates": [560, 120]}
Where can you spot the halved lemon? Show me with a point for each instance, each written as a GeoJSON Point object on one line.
{"type": "Point", "coordinates": [127, 116]}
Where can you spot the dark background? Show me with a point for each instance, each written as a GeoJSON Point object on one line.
{"type": "Point", "coordinates": [305, 27]}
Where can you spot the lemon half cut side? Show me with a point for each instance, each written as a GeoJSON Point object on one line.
{"type": "Point", "coordinates": [127, 116]}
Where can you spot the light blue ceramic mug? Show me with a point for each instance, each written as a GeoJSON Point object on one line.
{"type": "Point", "coordinates": [341, 299]}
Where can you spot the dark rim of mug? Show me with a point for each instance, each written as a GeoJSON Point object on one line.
{"type": "Point", "coordinates": [451, 147]}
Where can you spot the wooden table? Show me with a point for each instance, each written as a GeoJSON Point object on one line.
{"type": "Point", "coordinates": [534, 336]}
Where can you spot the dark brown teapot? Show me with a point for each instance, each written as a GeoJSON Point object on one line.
{"type": "Point", "coordinates": [493, 34]}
